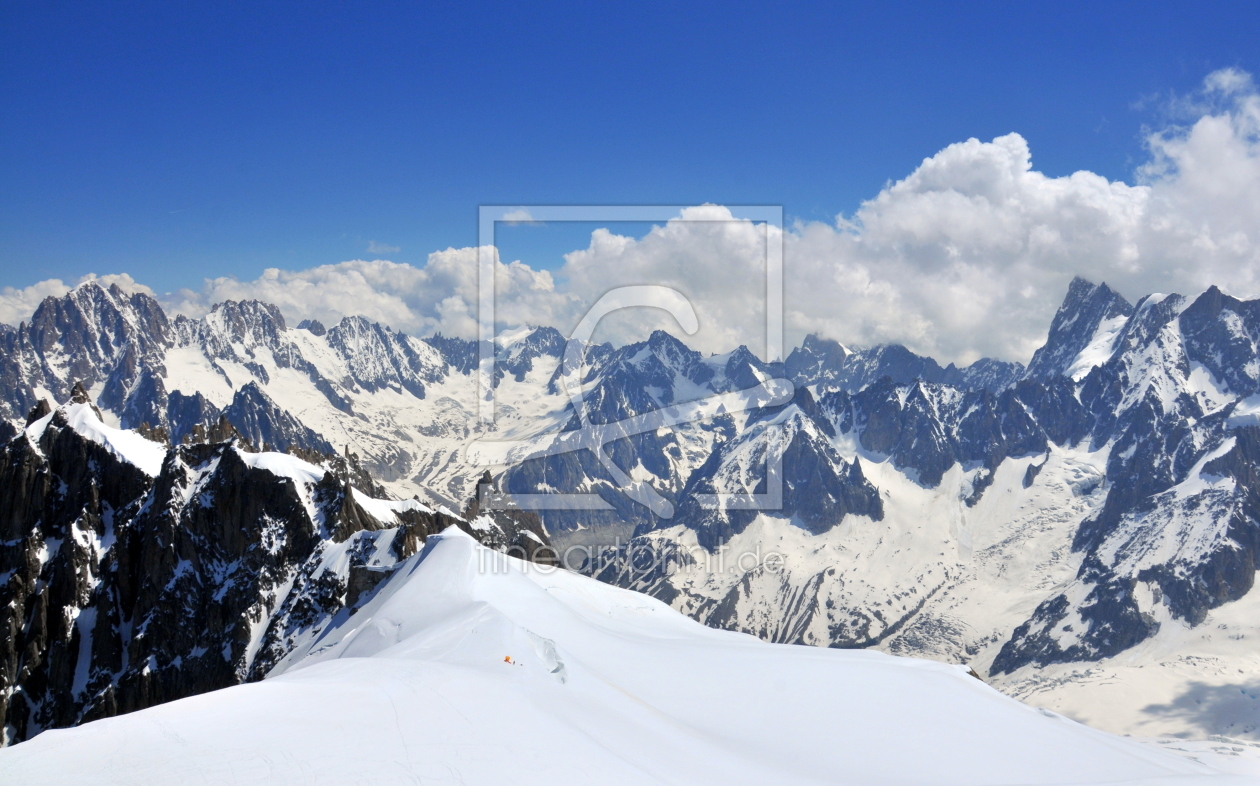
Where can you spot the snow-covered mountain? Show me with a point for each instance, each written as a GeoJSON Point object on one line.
{"type": "Point", "coordinates": [471, 667]}
{"type": "Point", "coordinates": [1102, 510]}
{"type": "Point", "coordinates": [132, 573]}
{"type": "Point", "coordinates": [1090, 521]}
{"type": "Point", "coordinates": [406, 406]}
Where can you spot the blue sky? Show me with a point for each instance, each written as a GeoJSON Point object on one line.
{"type": "Point", "coordinates": [177, 141]}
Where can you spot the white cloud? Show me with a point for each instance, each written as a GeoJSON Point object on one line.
{"type": "Point", "coordinates": [519, 216]}
{"type": "Point", "coordinates": [971, 253]}
{"type": "Point", "coordinates": [441, 296]}
{"type": "Point", "coordinates": [17, 305]}
{"type": "Point", "coordinates": [381, 248]}
{"type": "Point", "coordinates": [717, 261]}
{"type": "Point", "coordinates": [968, 255]}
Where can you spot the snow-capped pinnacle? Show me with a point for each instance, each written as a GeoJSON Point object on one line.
{"type": "Point", "coordinates": [810, 361]}
{"type": "Point", "coordinates": [83, 417]}
{"type": "Point", "coordinates": [249, 323]}
{"type": "Point", "coordinates": [1088, 320]}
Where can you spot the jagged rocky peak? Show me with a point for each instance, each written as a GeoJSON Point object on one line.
{"type": "Point", "coordinates": [80, 395]}
{"type": "Point", "coordinates": [517, 532]}
{"type": "Point", "coordinates": [98, 321]}
{"type": "Point", "coordinates": [91, 334]}
{"type": "Point", "coordinates": [815, 360]}
{"type": "Point", "coordinates": [129, 582]}
{"type": "Point", "coordinates": [670, 350]}
{"type": "Point", "coordinates": [264, 423]}
{"type": "Point", "coordinates": [889, 360]}
{"type": "Point", "coordinates": [819, 486]}
{"type": "Point", "coordinates": [378, 358]}
{"type": "Point", "coordinates": [314, 326]}
{"type": "Point", "coordinates": [1223, 334]}
{"type": "Point", "coordinates": [743, 370]}
{"type": "Point", "coordinates": [658, 361]}
{"type": "Point", "coordinates": [984, 374]}
{"type": "Point", "coordinates": [829, 364]}
{"type": "Point", "coordinates": [516, 350]}
{"type": "Point", "coordinates": [250, 323]}
{"type": "Point", "coordinates": [461, 354]}
{"type": "Point", "coordinates": [41, 408]}
{"type": "Point", "coordinates": [219, 431]}
{"type": "Point", "coordinates": [1082, 331]}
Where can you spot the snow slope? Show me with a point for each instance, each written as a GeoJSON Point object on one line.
{"type": "Point", "coordinates": [471, 667]}
{"type": "Point", "coordinates": [126, 445]}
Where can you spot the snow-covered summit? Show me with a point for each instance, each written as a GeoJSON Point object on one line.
{"type": "Point", "coordinates": [472, 667]}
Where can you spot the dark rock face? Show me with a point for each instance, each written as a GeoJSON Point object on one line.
{"type": "Point", "coordinates": [63, 497]}
{"type": "Point", "coordinates": [380, 359]}
{"type": "Point", "coordinates": [185, 413]}
{"type": "Point", "coordinates": [121, 591]}
{"type": "Point", "coordinates": [926, 429]}
{"type": "Point", "coordinates": [518, 358]}
{"type": "Point", "coordinates": [517, 532]}
{"type": "Point", "coordinates": [1223, 335]}
{"type": "Point", "coordinates": [314, 326]}
{"type": "Point", "coordinates": [985, 374]}
{"type": "Point", "coordinates": [830, 366]}
{"type": "Point", "coordinates": [819, 487]}
{"type": "Point", "coordinates": [92, 335]}
{"type": "Point", "coordinates": [1085, 308]}
{"type": "Point", "coordinates": [118, 341]}
{"type": "Point", "coordinates": [258, 419]}
{"type": "Point", "coordinates": [461, 355]}
{"type": "Point", "coordinates": [817, 364]}
{"type": "Point", "coordinates": [814, 360]}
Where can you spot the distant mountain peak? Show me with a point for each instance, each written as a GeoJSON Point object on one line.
{"type": "Point", "coordinates": [1080, 334]}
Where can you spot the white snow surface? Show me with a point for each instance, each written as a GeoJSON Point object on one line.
{"type": "Point", "coordinates": [126, 445]}
{"type": "Point", "coordinates": [472, 667]}
{"type": "Point", "coordinates": [284, 465]}
{"type": "Point", "coordinates": [386, 511]}
{"type": "Point", "coordinates": [1099, 349]}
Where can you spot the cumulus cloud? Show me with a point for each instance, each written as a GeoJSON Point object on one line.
{"type": "Point", "coordinates": [969, 255]}
{"type": "Point", "coordinates": [520, 216]}
{"type": "Point", "coordinates": [972, 252]}
{"type": "Point", "coordinates": [17, 305]}
{"type": "Point", "coordinates": [717, 261]}
{"type": "Point", "coordinates": [441, 296]}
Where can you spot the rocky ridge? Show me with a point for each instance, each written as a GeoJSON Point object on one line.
{"type": "Point", "coordinates": [133, 573]}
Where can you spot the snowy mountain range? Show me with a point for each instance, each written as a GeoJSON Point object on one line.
{"type": "Point", "coordinates": [1088, 521]}
{"type": "Point", "coordinates": [471, 667]}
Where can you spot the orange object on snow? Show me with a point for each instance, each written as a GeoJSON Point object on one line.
{"type": "Point", "coordinates": [507, 658]}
